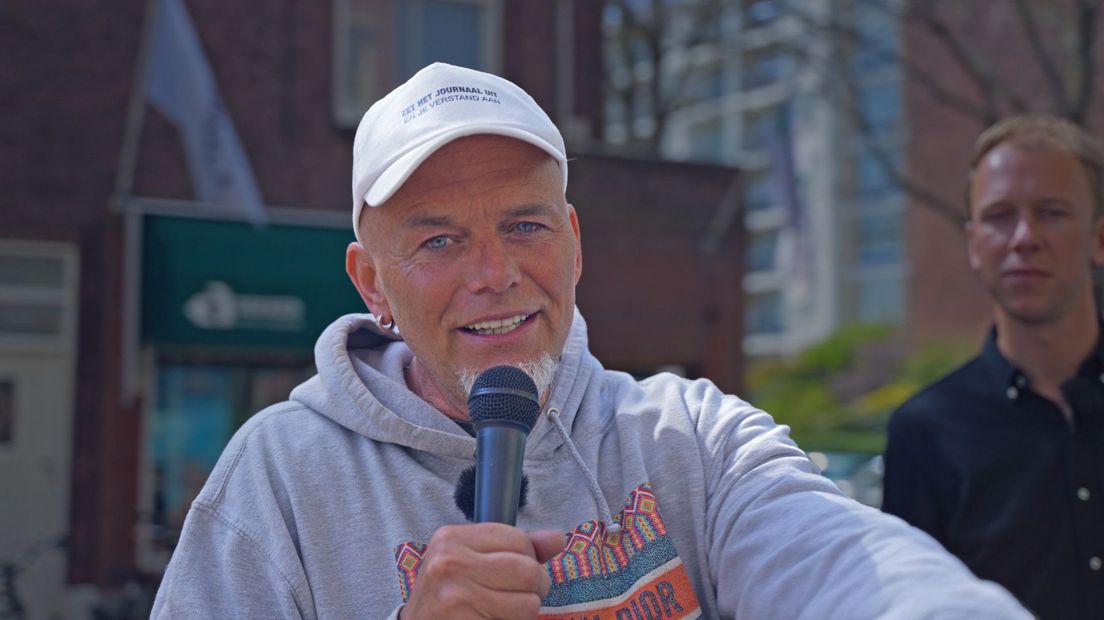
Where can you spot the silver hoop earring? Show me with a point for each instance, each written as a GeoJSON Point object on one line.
{"type": "Point", "coordinates": [388, 325]}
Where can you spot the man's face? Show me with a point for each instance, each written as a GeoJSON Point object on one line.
{"type": "Point", "coordinates": [476, 257]}
{"type": "Point", "coordinates": [1033, 237]}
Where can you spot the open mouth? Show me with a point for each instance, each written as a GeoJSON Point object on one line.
{"type": "Point", "coordinates": [497, 326]}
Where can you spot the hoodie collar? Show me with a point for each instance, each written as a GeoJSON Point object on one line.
{"type": "Point", "coordinates": [360, 386]}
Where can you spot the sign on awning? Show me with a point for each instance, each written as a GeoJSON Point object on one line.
{"type": "Point", "coordinates": [228, 284]}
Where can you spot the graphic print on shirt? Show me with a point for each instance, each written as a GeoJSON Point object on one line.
{"type": "Point", "coordinates": [632, 575]}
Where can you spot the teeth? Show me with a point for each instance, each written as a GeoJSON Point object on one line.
{"type": "Point", "coordinates": [497, 326]}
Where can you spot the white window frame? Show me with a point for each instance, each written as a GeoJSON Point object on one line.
{"type": "Point", "coordinates": [348, 14]}
{"type": "Point", "coordinates": [364, 14]}
{"type": "Point", "coordinates": [490, 46]}
{"type": "Point", "coordinates": [64, 295]}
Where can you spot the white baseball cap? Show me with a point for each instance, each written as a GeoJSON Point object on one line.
{"type": "Point", "coordinates": [439, 104]}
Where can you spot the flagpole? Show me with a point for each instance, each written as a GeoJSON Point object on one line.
{"type": "Point", "coordinates": [132, 218]}
{"type": "Point", "coordinates": [136, 114]}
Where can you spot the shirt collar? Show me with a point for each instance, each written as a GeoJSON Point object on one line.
{"type": "Point", "coordinates": [1012, 381]}
{"type": "Point", "coordinates": [1093, 366]}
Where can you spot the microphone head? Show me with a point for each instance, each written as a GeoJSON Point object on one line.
{"type": "Point", "coordinates": [504, 394]}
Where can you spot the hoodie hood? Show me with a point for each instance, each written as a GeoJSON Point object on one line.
{"type": "Point", "coordinates": [360, 385]}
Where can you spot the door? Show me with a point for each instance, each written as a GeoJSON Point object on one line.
{"type": "Point", "coordinates": [37, 336]}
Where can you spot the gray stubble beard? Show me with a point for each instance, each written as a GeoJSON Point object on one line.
{"type": "Point", "coordinates": [542, 370]}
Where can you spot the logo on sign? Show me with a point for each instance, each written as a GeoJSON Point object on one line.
{"type": "Point", "coordinates": [220, 307]}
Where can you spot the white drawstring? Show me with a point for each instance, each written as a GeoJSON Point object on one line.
{"type": "Point", "coordinates": [592, 482]}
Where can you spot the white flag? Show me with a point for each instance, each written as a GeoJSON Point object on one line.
{"type": "Point", "coordinates": [180, 84]}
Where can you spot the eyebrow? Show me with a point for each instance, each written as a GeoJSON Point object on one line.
{"type": "Point", "coordinates": [428, 221]}
{"type": "Point", "coordinates": [1052, 200]}
{"type": "Point", "coordinates": [538, 208]}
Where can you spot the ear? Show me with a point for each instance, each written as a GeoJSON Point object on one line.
{"type": "Point", "coordinates": [362, 271]}
{"type": "Point", "coordinates": [574, 219]}
{"type": "Point", "coordinates": [971, 245]}
{"type": "Point", "coordinates": [1098, 241]}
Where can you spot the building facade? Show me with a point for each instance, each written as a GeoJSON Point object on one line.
{"type": "Point", "coordinates": [806, 98]}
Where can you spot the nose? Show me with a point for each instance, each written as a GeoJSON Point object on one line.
{"type": "Point", "coordinates": [494, 269]}
{"type": "Point", "coordinates": [1024, 235]}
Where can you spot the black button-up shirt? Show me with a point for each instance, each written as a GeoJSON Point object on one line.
{"type": "Point", "coordinates": [1004, 481]}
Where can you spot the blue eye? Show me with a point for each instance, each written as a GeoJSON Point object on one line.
{"type": "Point", "coordinates": [527, 227]}
{"type": "Point", "coordinates": [438, 242]}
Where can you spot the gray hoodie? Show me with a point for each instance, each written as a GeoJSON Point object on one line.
{"type": "Point", "coordinates": [680, 501]}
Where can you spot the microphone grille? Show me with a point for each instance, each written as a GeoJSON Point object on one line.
{"type": "Point", "coordinates": [504, 393]}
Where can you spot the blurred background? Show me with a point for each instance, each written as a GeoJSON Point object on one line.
{"type": "Point", "coordinates": [769, 192]}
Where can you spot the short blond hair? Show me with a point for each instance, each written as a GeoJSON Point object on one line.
{"type": "Point", "coordinates": [1049, 132]}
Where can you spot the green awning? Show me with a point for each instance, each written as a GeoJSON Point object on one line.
{"type": "Point", "coordinates": [229, 285]}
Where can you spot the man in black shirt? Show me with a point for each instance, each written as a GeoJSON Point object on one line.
{"type": "Point", "coordinates": [1002, 461]}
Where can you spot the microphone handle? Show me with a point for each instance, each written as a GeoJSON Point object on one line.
{"type": "Point", "coordinates": [499, 452]}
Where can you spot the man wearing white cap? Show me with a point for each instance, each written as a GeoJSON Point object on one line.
{"type": "Point", "coordinates": [677, 501]}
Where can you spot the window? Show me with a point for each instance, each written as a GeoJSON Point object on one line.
{"type": "Point", "coordinates": [198, 407]}
{"type": "Point", "coordinates": [881, 300]}
{"type": "Point", "coordinates": [38, 319]}
{"type": "Point", "coordinates": [459, 32]}
{"type": "Point", "coordinates": [761, 251]}
{"type": "Point", "coordinates": [762, 68]}
{"type": "Point", "coordinates": [705, 83]}
{"type": "Point", "coordinates": [763, 314]}
{"type": "Point", "coordinates": [37, 294]}
{"type": "Point", "coordinates": [880, 105]}
{"type": "Point", "coordinates": [358, 57]}
{"type": "Point", "coordinates": [31, 270]}
{"type": "Point", "coordinates": [760, 12]}
{"type": "Point", "coordinates": [878, 237]}
{"type": "Point", "coordinates": [873, 181]}
{"type": "Point", "coordinates": [760, 127]}
{"type": "Point", "coordinates": [707, 140]}
{"type": "Point", "coordinates": [616, 129]}
{"type": "Point", "coordinates": [758, 195]}
{"type": "Point", "coordinates": [877, 40]}
{"type": "Point", "coordinates": [373, 49]}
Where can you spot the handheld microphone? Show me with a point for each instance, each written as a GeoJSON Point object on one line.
{"type": "Point", "coordinates": [503, 406]}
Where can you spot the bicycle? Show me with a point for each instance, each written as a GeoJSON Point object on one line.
{"type": "Point", "coordinates": [11, 606]}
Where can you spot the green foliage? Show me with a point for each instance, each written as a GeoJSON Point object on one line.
{"type": "Point", "coordinates": [839, 393]}
{"type": "Point", "coordinates": [838, 351]}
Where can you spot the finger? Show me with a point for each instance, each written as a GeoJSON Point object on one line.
{"type": "Point", "coordinates": [547, 544]}
{"type": "Point", "coordinates": [485, 538]}
{"type": "Point", "coordinates": [510, 572]}
{"type": "Point", "coordinates": [509, 605]}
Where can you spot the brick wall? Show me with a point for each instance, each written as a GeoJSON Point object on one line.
{"type": "Point", "coordinates": [651, 297]}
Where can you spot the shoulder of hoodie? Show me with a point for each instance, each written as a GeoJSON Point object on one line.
{"type": "Point", "coordinates": [696, 404]}
{"type": "Point", "coordinates": [279, 433]}
{"type": "Point", "coordinates": [691, 421]}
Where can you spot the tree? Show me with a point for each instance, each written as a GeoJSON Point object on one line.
{"type": "Point", "coordinates": [977, 60]}
{"type": "Point", "coordinates": [651, 52]}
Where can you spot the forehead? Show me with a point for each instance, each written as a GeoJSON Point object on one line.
{"type": "Point", "coordinates": [1030, 169]}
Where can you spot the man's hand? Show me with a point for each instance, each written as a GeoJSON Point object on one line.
{"type": "Point", "coordinates": [483, 570]}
